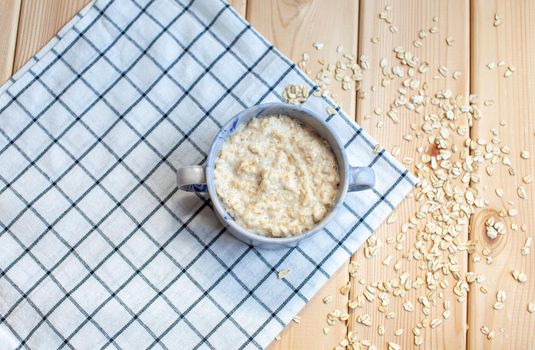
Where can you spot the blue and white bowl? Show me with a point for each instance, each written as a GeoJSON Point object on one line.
{"type": "Point", "coordinates": [197, 178]}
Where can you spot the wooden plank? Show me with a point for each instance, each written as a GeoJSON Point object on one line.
{"type": "Point", "coordinates": [408, 17]}
{"type": "Point", "coordinates": [39, 21]}
{"type": "Point", "coordinates": [9, 20]}
{"type": "Point", "coordinates": [293, 26]}
{"type": "Point", "coordinates": [513, 42]}
{"type": "Point", "coordinates": [240, 6]}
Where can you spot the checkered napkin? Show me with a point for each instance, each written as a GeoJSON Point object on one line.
{"type": "Point", "coordinates": [98, 248]}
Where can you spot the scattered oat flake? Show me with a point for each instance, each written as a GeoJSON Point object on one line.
{"type": "Point", "coordinates": [393, 346]}
{"type": "Point", "coordinates": [497, 20]}
{"type": "Point", "coordinates": [387, 260]}
{"type": "Point", "coordinates": [396, 151]}
{"type": "Point", "coordinates": [524, 154]}
{"type": "Point", "coordinates": [381, 330]}
{"type": "Point", "coordinates": [345, 289]}
{"type": "Point", "coordinates": [527, 246]}
{"type": "Point", "coordinates": [318, 45]}
{"type": "Point", "coordinates": [443, 71]}
{"type": "Point", "coordinates": [297, 319]}
{"type": "Point", "coordinates": [331, 111]}
{"type": "Point", "coordinates": [408, 306]}
{"type": "Point", "coordinates": [418, 340]}
{"type": "Point", "coordinates": [522, 193]}
{"type": "Point", "coordinates": [494, 227]}
{"type": "Point", "coordinates": [520, 277]}
{"type": "Point", "coordinates": [365, 320]}
{"type": "Point", "coordinates": [446, 314]}
{"type": "Point", "coordinates": [501, 296]}
{"type": "Point", "coordinates": [296, 94]}
{"type": "Point", "coordinates": [531, 308]}
{"type": "Point", "coordinates": [436, 322]}
{"type": "Point", "coordinates": [283, 273]}
{"type": "Point", "coordinates": [422, 34]}
{"type": "Point", "coordinates": [407, 160]}
{"type": "Point", "coordinates": [328, 299]}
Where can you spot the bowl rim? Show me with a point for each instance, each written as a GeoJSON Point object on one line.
{"type": "Point", "coordinates": [243, 117]}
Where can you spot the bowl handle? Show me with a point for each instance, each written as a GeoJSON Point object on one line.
{"type": "Point", "coordinates": [192, 178]}
{"type": "Point", "coordinates": [360, 179]}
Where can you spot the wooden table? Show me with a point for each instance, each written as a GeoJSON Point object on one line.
{"type": "Point", "coordinates": [293, 25]}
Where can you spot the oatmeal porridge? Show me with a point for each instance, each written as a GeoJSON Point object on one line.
{"type": "Point", "coordinates": [276, 177]}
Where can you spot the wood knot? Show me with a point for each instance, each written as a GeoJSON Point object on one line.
{"type": "Point", "coordinates": [490, 230]}
{"type": "Point", "coordinates": [433, 150]}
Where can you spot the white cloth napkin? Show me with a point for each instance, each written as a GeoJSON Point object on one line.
{"type": "Point", "coordinates": [98, 248]}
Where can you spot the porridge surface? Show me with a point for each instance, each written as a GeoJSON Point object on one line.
{"type": "Point", "coordinates": [276, 177]}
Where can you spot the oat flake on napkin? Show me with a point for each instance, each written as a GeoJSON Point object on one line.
{"type": "Point", "coordinates": [98, 249]}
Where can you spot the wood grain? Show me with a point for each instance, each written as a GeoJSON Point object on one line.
{"type": "Point", "coordinates": [39, 21]}
{"type": "Point", "coordinates": [293, 26]}
{"type": "Point", "coordinates": [514, 42]}
{"type": "Point", "coordinates": [9, 21]}
{"type": "Point", "coordinates": [308, 334]}
{"type": "Point", "coordinates": [240, 6]}
{"type": "Point", "coordinates": [409, 16]}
